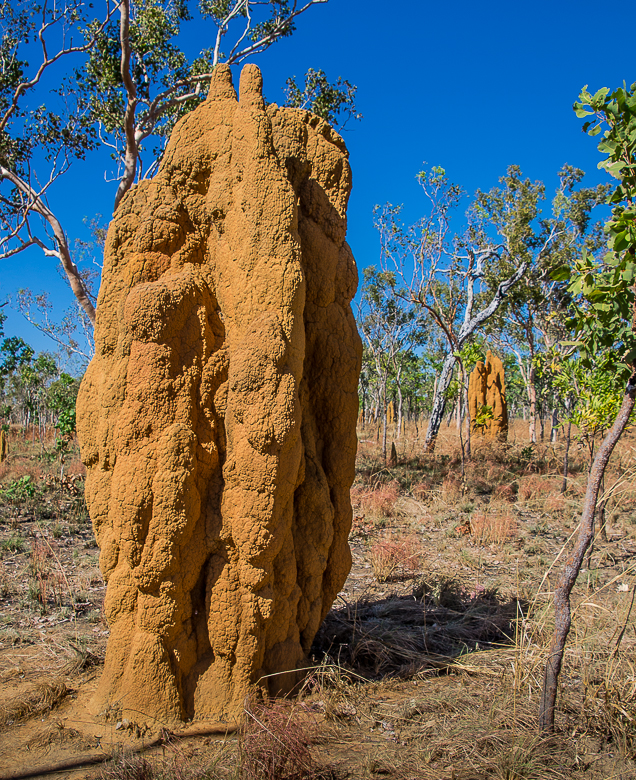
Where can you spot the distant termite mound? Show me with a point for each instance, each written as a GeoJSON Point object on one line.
{"type": "Point", "coordinates": [487, 399]}
{"type": "Point", "coordinates": [217, 419]}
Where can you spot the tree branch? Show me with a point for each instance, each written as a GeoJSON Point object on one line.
{"type": "Point", "coordinates": [132, 147]}
{"type": "Point", "coordinates": [48, 61]}
{"type": "Point", "coordinates": [502, 289]}
{"type": "Point", "coordinates": [62, 252]}
{"type": "Point", "coordinates": [267, 40]}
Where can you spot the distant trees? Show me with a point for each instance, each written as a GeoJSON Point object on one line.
{"type": "Point", "coordinates": [33, 392]}
{"type": "Point", "coordinates": [492, 278]}
{"type": "Point", "coordinates": [390, 329]}
{"type": "Point", "coordinates": [444, 274]}
{"type": "Point", "coordinates": [533, 317]}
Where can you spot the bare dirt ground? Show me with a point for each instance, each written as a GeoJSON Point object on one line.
{"type": "Point", "coordinates": [428, 667]}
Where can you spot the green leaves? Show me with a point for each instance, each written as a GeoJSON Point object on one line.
{"type": "Point", "coordinates": [603, 288]}
{"type": "Point", "coordinates": [328, 100]}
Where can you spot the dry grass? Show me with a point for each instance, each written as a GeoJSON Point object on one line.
{"type": "Point", "coordinates": [451, 489]}
{"type": "Point", "coordinates": [538, 487]}
{"type": "Point", "coordinates": [275, 742]}
{"type": "Point", "coordinates": [396, 557]}
{"type": "Point", "coordinates": [493, 527]}
{"type": "Point", "coordinates": [376, 503]}
{"type": "Point", "coordinates": [404, 635]}
{"type": "Point", "coordinates": [433, 679]}
{"type": "Point", "coordinates": [41, 699]}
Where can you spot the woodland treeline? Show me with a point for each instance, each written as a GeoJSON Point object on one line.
{"type": "Point", "coordinates": [503, 271]}
{"type": "Point", "coordinates": [35, 394]}
{"type": "Point", "coordinates": [497, 271]}
{"type": "Point", "coordinates": [437, 299]}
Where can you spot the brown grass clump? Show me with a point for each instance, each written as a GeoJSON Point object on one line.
{"type": "Point", "coordinates": [378, 502]}
{"type": "Point", "coordinates": [49, 583]}
{"type": "Point", "coordinates": [180, 766]}
{"type": "Point", "coordinates": [395, 558]}
{"type": "Point", "coordinates": [41, 699]}
{"type": "Point", "coordinates": [493, 528]}
{"type": "Point", "coordinates": [128, 768]}
{"type": "Point", "coordinates": [506, 492]}
{"type": "Point", "coordinates": [13, 469]}
{"type": "Point", "coordinates": [536, 487]}
{"type": "Point", "coordinates": [555, 503]}
{"type": "Point", "coordinates": [275, 742]}
{"type": "Point", "coordinates": [451, 489]}
{"type": "Point", "coordinates": [422, 490]}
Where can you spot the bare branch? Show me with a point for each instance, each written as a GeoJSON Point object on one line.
{"type": "Point", "coordinates": [502, 289]}
{"type": "Point", "coordinates": [267, 40]}
{"type": "Point", "coordinates": [62, 252]}
{"type": "Point", "coordinates": [48, 61]}
{"type": "Point", "coordinates": [223, 28]}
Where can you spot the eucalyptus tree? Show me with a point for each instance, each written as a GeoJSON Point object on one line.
{"type": "Point", "coordinates": [333, 101]}
{"type": "Point", "coordinates": [533, 317]}
{"type": "Point", "coordinates": [122, 79]}
{"type": "Point", "coordinates": [447, 276]}
{"type": "Point", "coordinates": [390, 328]}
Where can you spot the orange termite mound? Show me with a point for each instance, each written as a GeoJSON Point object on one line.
{"type": "Point", "coordinates": [487, 387]}
{"type": "Point", "coordinates": [218, 417]}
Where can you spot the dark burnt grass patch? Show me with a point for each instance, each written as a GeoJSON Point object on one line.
{"type": "Point", "coordinates": [404, 635]}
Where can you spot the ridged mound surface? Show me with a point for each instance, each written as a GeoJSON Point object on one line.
{"type": "Point", "coordinates": [487, 387]}
{"type": "Point", "coordinates": [217, 419]}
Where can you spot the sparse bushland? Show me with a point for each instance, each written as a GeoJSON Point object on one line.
{"type": "Point", "coordinates": [429, 665]}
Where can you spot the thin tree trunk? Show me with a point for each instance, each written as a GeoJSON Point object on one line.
{"type": "Point", "coordinates": [439, 402]}
{"type": "Point", "coordinates": [464, 413]}
{"type": "Point", "coordinates": [600, 513]}
{"type": "Point", "coordinates": [554, 426]}
{"type": "Point", "coordinates": [566, 459]}
{"type": "Point", "coordinates": [532, 397]}
{"type": "Point", "coordinates": [562, 612]}
{"type": "Point", "coordinates": [384, 422]}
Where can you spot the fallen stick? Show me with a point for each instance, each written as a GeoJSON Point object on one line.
{"type": "Point", "coordinates": [77, 763]}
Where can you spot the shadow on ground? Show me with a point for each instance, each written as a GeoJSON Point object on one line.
{"type": "Point", "coordinates": [399, 636]}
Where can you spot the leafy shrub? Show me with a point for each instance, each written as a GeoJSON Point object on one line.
{"type": "Point", "coordinates": [19, 490]}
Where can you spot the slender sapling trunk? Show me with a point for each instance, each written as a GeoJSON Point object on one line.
{"type": "Point", "coordinates": [562, 612]}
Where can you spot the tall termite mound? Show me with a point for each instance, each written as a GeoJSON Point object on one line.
{"type": "Point", "coordinates": [217, 419]}
{"type": "Point", "coordinates": [487, 393]}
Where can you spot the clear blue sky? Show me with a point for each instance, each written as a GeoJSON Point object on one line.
{"type": "Point", "coordinates": [473, 87]}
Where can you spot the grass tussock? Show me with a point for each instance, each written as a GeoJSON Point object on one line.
{"type": "Point", "coordinates": [493, 528]}
{"type": "Point", "coordinates": [396, 557]}
{"type": "Point", "coordinates": [41, 699]}
{"type": "Point", "coordinates": [378, 502]}
{"type": "Point", "coordinates": [275, 742]}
